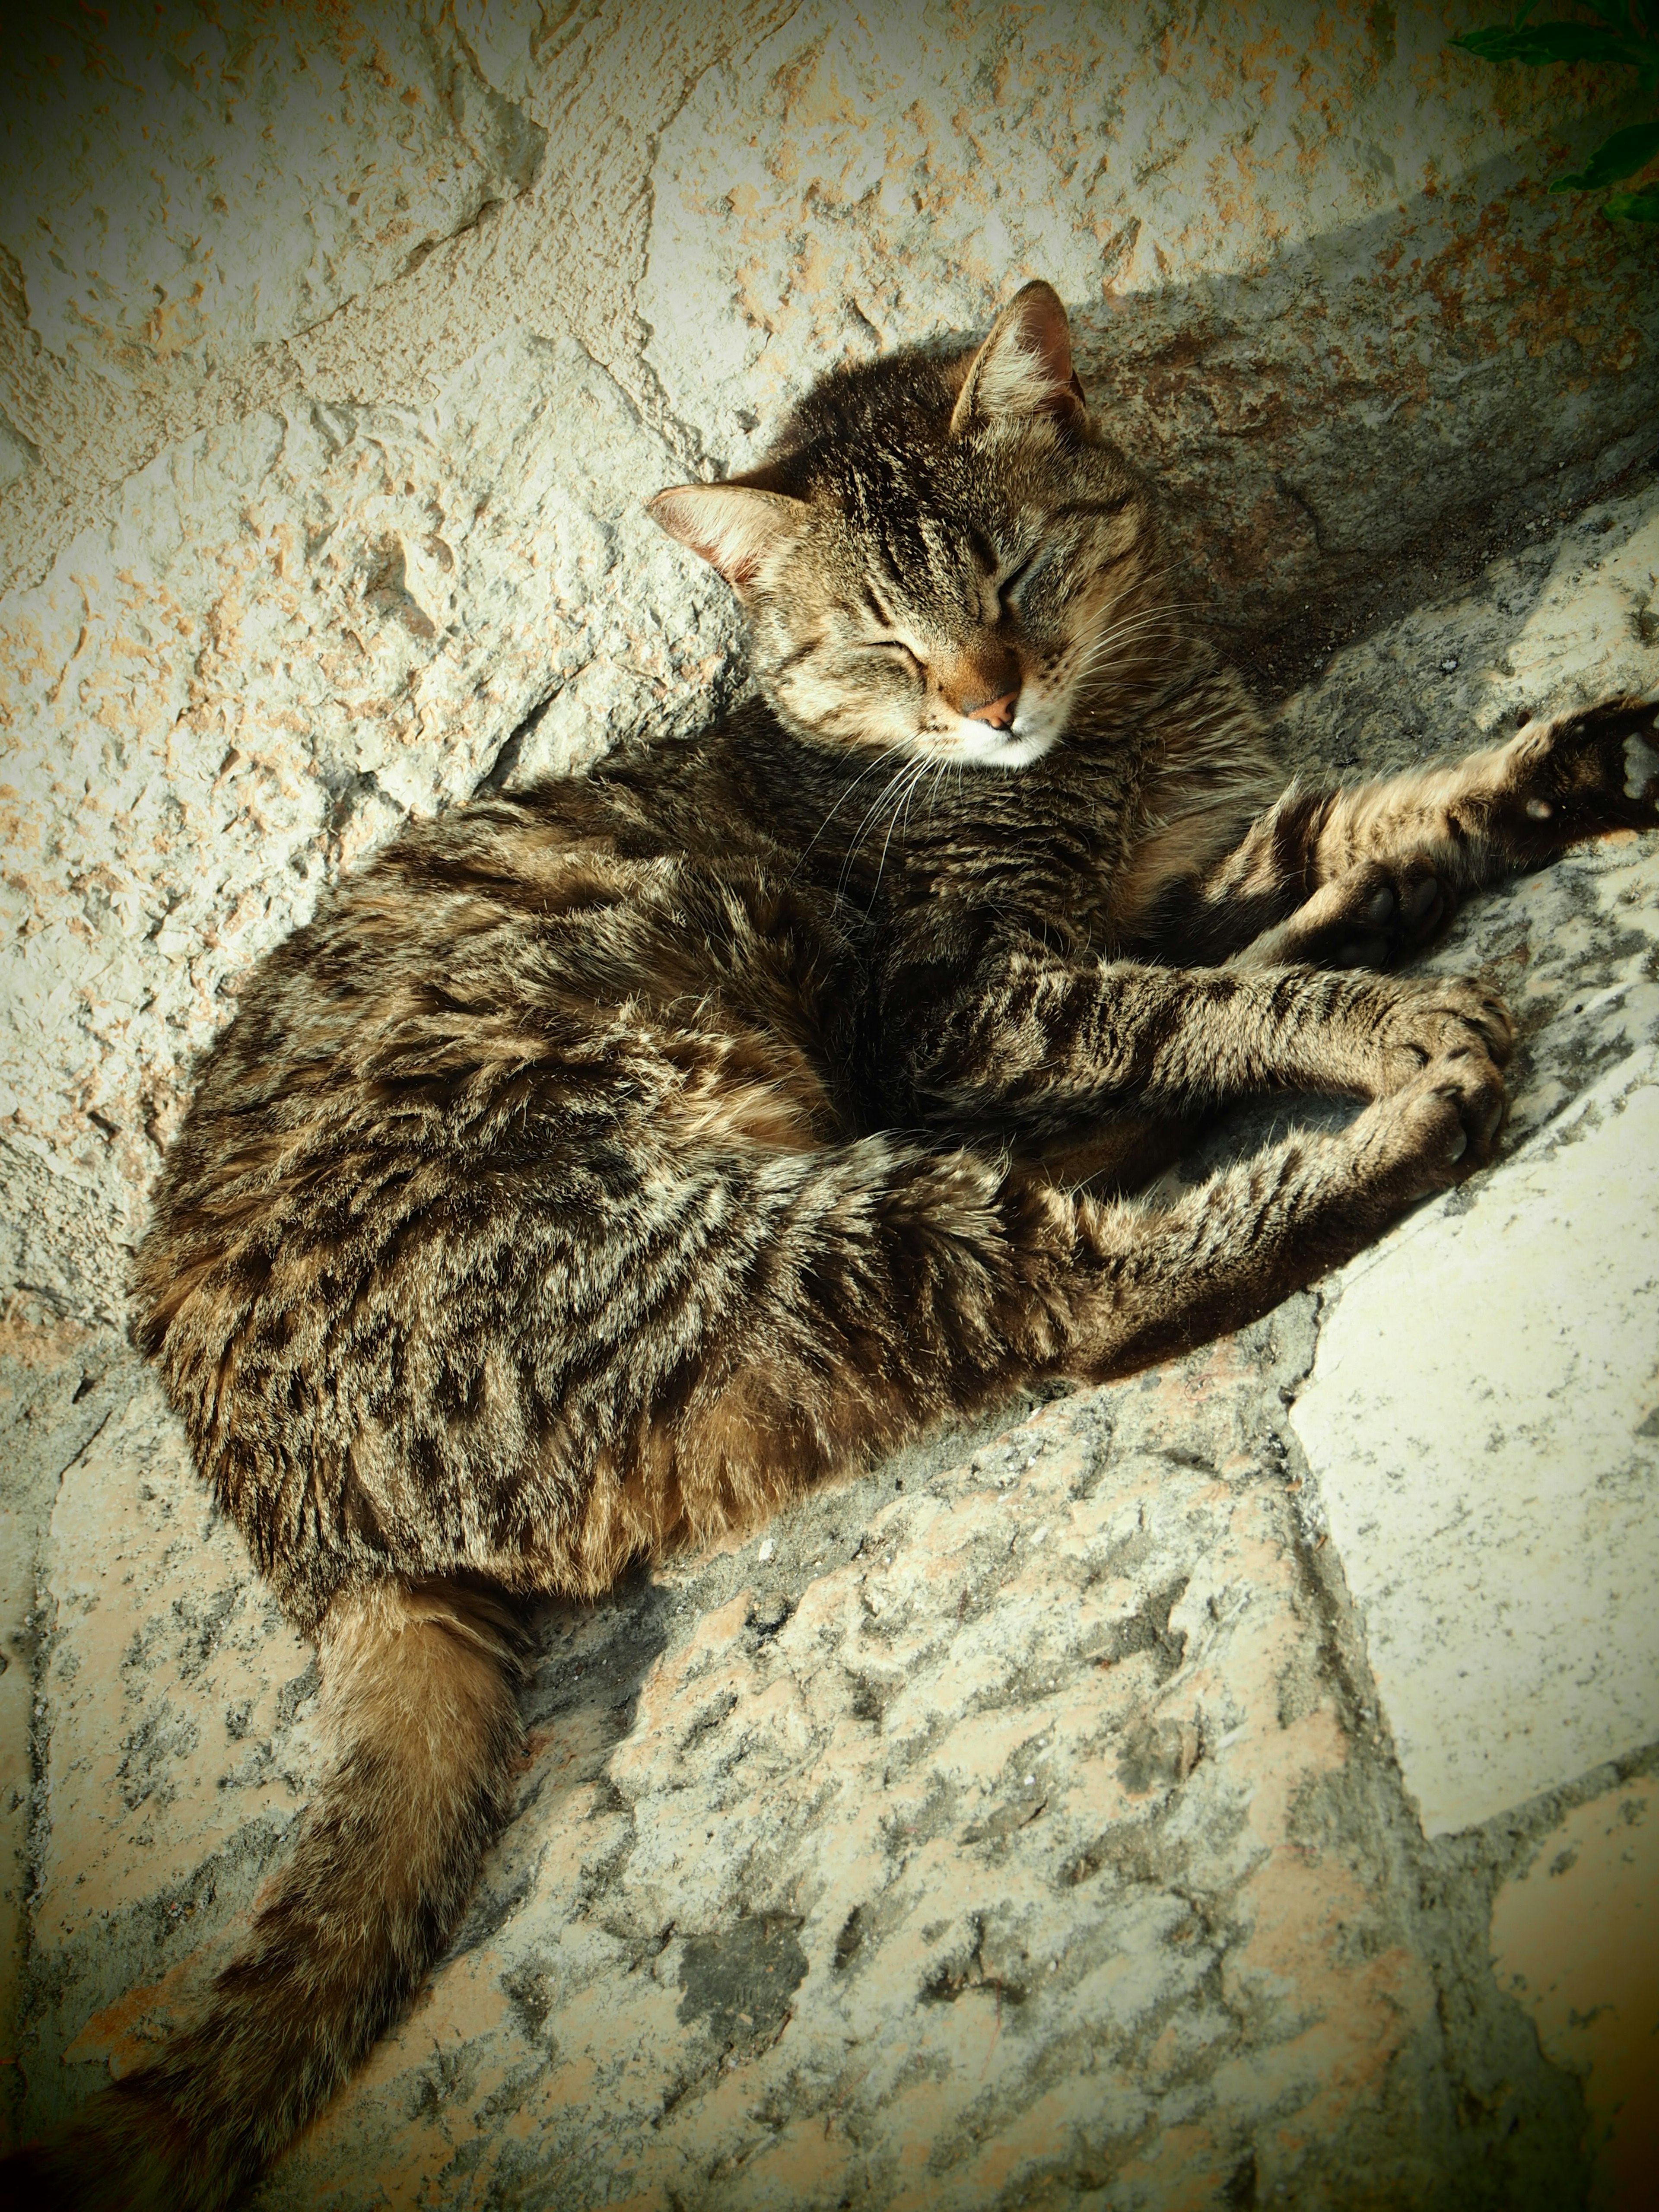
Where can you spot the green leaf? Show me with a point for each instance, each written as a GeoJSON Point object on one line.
{"type": "Point", "coordinates": [1635, 16]}
{"type": "Point", "coordinates": [1631, 207]}
{"type": "Point", "coordinates": [1537, 45]}
{"type": "Point", "coordinates": [1621, 156]}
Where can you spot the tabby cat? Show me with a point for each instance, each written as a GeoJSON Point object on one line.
{"type": "Point", "coordinates": [605, 1165]}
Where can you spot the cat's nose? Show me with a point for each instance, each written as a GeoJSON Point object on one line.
{"type": "Point", "coordinates": [996, 714]}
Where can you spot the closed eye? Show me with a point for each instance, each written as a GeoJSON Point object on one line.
{"type": "Point", "coordinates": [893, 646]}
{"type": "Point", "coordinates": [1010, 586]}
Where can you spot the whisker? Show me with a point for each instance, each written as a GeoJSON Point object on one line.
{"type": "Point", "coordinates": [877, 804]}
{"type": "Point", "coordinates": [1158, 610]}
{"type": "Point", "coordinates": [916, 782]}
{"type": "Point", "coordinates": [916, 769]}
{"type": "Point", "coordinates": [886, 753]}
{"type": "Point", "coordinates": [871, 814]}
{"type": "Point", "coordinates": [1102, 649]}
{"type": "Point", "coordinates": [1143, 618]}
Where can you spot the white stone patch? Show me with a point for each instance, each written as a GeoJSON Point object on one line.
{"type": "Point", "coordinates": [1483, 1419]}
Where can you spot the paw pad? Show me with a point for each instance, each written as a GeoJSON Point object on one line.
{"type": "Point", "coordinates": [1641, 766]}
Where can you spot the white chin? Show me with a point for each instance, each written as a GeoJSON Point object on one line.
{"type": "Point", "coordinates": [986, 748]}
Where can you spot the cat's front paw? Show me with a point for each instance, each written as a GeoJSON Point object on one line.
{"type": "Point", "coordinates": [1442, 1019]}
{"type": "Point", "coordinates": [1376, 915]}
{"type": "Point", "coordinates": [1584, 774]}
{"type": "Point", "coordinates": [1440, 1127]}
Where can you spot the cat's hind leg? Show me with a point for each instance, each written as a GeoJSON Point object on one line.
{"type": "Point", "coordinates": [1159, 1280]}
{"type": "Point", "coordinates": [1376, 868]}
{"type": "Point", "coordinates": [1374, 916]}
{"type": "Point", "coordinates": [896, 1286]}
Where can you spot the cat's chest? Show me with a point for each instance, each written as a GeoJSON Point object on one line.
{"type": "Point", "coordinates": [1053, 876]}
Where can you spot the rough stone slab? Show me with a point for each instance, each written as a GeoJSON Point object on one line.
{"type": "Point", "coordinates": [1484, 1420]}
{"type": "Point", "coordinates": [1574, 1938]}
{"type": "Point", "coordinates": [168, 1746]}
{"type": "Point", "coordinates": [61, 1387]}
{"type": "Point", "coordinates": [359, 243]}
{"type": "Point", "coordinates": [994, 1824]}
{"type": "Point", "coordinates": [158, 1770]}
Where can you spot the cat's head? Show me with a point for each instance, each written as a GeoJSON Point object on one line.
{"type": "Point", "coordinates": [942, 556]}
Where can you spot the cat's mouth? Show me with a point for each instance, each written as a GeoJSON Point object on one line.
{"type": "Point", "coordinates": [978, 745]}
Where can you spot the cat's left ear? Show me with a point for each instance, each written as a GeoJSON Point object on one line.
{"type": "Point", "coordinates": [1024, 368]}
{"type": "Point", "coordinates": [733, 527]}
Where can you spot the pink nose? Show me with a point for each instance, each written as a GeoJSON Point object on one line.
{"type": "Point", "coordinates": [998, 714]}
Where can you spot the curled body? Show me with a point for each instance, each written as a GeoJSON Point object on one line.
{"type": "Point", "coordinates": [604, 1165]}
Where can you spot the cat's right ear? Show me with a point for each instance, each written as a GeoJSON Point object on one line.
{"type": "Point", "coordinates": [733, 527]}
{"type": "Point", "coordinates": [1024, 368]}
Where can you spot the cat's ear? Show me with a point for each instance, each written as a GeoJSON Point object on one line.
{"type": "Point", "coordinates": [1024, 368]}
{"type": "Point", "coordinates": [733, 527]}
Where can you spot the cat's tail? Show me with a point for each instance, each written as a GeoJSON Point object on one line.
{"type": "Point", "coordinates": [418, 1691]}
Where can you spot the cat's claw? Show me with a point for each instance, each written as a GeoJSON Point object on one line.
{"type": "Point", "coordinates": [1435, 1130]}
{"type": "Point", "coordinates": [1442, 1045]}
{"type": "Point", "coordinates": [1464, 1108]}
{"type": "Point", "coordinates": [1443, 1020]}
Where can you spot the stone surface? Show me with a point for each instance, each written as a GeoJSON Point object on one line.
{"type": "Point", "coordinates": [775, 1921]}
{"type": "Point", "coordinates": [1569, 613]}
{"type": "Point", "coordinates": [1482, 1416]}
{"type": "Point", "coordinates": [1484, 1422]}
{"type": "Point", "coordinates": [1576, 1936]}
{"type": "Point", "coordinates": [1004, 1826]}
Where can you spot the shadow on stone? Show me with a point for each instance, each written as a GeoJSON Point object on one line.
{"type": "Point", "coordinates": [740, 1983]}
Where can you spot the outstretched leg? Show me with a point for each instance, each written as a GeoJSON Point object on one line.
{"type": "Point", "coordinates": [900, 1286]}
{"type": "Point", "coordinates": [1167, 1278]}
{"type": "Point", "coordinates": [1031, 1048]}
{"type": "Point", "coordinates": [1367, 874]}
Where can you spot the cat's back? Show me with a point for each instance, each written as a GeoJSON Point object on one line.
{"type": "Point", "coordinates": [543, 914]}
{"type": "Point", "coordinates": [534, 999]}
